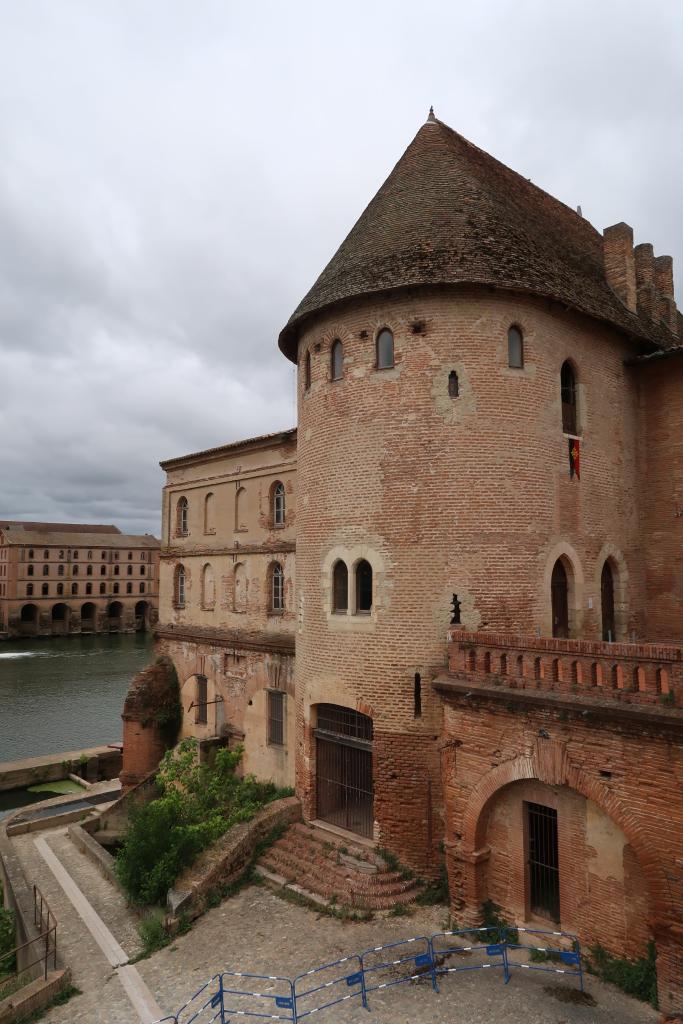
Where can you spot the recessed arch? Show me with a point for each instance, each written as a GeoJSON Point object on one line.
{"type": "Point", "coordinates": [337, 360]}
{"type": "Point", "coordinates": [384, 349]}
{"type": "Point", "coordinates": [571, 562]}
{"type": "Point", "coordinates": [208, 587]}
{"type": "Point", "coordinates": [240, 508]}
{"type": "Point", "coordinates": [240, 587]}
{"type": "Point", "coordinates": [209, 503]}
{"type": "Point", "coordinates": [182, 513]}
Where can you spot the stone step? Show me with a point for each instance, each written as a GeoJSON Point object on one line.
{"type": "Point", "coordinates": [297, 846]}
{"type": "Point", "coordinates": [291, 867]}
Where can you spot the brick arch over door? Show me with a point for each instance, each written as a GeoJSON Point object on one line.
{"type": "Point", "coordinates": [550, 764]}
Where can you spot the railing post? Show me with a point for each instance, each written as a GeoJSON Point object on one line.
{"type": "Point", "coordinates": [47, 950]}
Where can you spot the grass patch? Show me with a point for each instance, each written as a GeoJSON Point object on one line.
{"type": "Point", "coordinates": [342, 913]}
{"type": "Point", "coordinates": [197, 805]}
{"type": "Point", "coordinates": [153, 934]}
{"type": "Point", "coordinates": [637, 978]}
{"type": "Point", "coordinates": [399, 910]}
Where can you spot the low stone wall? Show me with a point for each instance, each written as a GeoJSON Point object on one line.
{"type": "Point", "coordinates": [95, 762]}
{"type": "Point", "coordinates": [33, 997]}
{"type": "Point", "coordinates": [104, 862]}
{"type": "Point", "coordinates": [227, 859]}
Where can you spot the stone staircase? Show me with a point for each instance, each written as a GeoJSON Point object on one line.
{"type": "Point", "coordinates": [334, 872]}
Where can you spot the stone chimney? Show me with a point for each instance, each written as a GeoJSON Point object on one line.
{"type": "Point", "coordinates": [619, 263]}
{"type": "Point", "coordinates": [664, 283]}
{"type": "Point", "coordinates": [647, 301]}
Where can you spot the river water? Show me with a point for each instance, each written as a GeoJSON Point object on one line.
{"type": "Point", "coordinates": [66, 693]}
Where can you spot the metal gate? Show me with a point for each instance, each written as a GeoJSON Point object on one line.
{"type": "Point", "coordinates": [544, 871]}
{"type": "Point", "coordinates": [344, 768]}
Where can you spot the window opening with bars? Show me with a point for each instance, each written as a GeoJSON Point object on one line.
{"type": "Point", "coordinates": [544, 869]}
{"type": "Point", "coordinates": [276, 717]}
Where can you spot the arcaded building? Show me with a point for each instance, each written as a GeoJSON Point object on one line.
{"type": "Point", "coordinates": [58, 579]}
{"type": "Point", "coordinates": [478, 655]}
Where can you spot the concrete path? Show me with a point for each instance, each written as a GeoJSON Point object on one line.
{"type": "Point", "coordinates": [90, 932]}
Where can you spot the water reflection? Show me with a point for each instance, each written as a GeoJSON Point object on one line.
{"type": "Point", "coordinates": [65, 693]}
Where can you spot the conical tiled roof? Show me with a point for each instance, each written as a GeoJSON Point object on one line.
{"type": "Point", "coordinates": [451, 214]}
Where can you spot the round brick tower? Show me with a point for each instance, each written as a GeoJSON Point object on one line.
{"type": "Point", "coordinates": [441, 468]}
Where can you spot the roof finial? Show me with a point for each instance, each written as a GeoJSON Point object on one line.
{"type": "Point", "coordinates": [431, 115]}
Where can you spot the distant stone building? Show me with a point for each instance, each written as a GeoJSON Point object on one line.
{"type": "Point", "coordinates": [486, 495]}
{"type": "Point", "coordinates": [63, 578]}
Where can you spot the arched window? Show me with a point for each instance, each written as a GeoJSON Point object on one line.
{"type": "Point", "coordinates": [337, 360]}
{"type": "Point", "coordinates": [75, 571]}
{"type": "Point", "coordinates": [277, 588]}
{"type": "Point", "coordinates": [142, 556]}
{"type": "Point", "coordinates": [307, 371]}
{"type": "Point", "coordinates": [116, 570]}
{"type": "Point", "coordinates": [29, 570]}
{"type": "Point", "coordinates": [609, 632]}
{"type": "Point", "coordinates": [559, 586]}
{"type": "Point", "coordinates": [61, 553]}
{"type": "Point", "coordinates": [30, 552]}
{"type": "Point", "coordinates": [142, 588]}
{"type": "Point", "coordinates": [89, 554]}
{"type": "Point", "coordinates": [240, 504]}
{"type": "Point", "coordinates": [46, 553]}
{"type": "Point", "coordinates": [142, 570]}
{"type": "Point", "coordinates": [181, 517]}
{"type": "Point", "coordinates": [74, 589]}
{"type": "Point", "coordinates": [363, 586]}
{"type": "Point", "coordinates": [103, 588]}
{"type": "Point", "coordinates": [129, 570]}
{"type": "Point", "coordinates": [240, 588]}
{"type": "Point", "coordinates": [60, 570]}
{"type": "Point", "coordinates": [201, 716]}
{"type": "Point", "coordinates": [29, 590]}
{"type": "Point", "coordinates": [208, 587]}
{"type": "Point", "coordinates": [89, 570]}
{"type": "Point", "coordinates": [46, 570]}
{"type": "Point", "coordinates": [453, 384]}
{"type": "Point", "coordinates": [130, 555]}
{"type": "Point", "coordinates": [208, 513]}
{"type": "Point", "coordinates": [568, 393]}
{"type": "Point", "coordinates": [88, 588]}
{"type": "Point", "coordinates": [515, 348]}
{"type": "Point", "coordinates": [385, 349]}
{"type": "Point", "coordinates": [278, 499]}
{"type": "Point", "coordinates": [103, 570]}
{"type": "Point", "coordinates": [75, 554]}
{"type": "Point", "coordinates": [104, 554]}
{"type": "Point", "coordinates": [115, 588]}
{"type": "Point", "coordinates": [45, 589]}
{"type": "Point", "coordinates": [340, 587]}
{"type": "Point", "coordinates": [179, 586]}
{"type": "Point", "coordinates": [129, 588]}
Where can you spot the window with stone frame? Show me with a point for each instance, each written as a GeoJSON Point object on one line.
{"type": "Point", "coordinates": [277, 588]}
{"type": "Point", "coordinates": [385, 349]}
{"type": "Point", "coordinates": [340, 587]}
{"type": "Point", "coordinates": [276, 718]}
{"type": "Point", "coordinates": [179, 583]}
{"type": "Point", "coordinates": [278, 503]}
{"type": "Point", "coordinates": [182, 517]}
{"type": "Point", "coordinates": [337, 360]}
{"type": "Point", "coordinates": [363, 587]}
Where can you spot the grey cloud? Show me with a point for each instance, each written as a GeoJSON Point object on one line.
{"type": "Point", "coordinates": [174, 176]}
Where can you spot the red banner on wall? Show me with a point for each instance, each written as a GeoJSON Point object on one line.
{"type": "Point", "coordinates": [574, 458]}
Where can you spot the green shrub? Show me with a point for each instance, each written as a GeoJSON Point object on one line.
{"type": "Point", "coordinates": [637, 978]}
{"type": "Point", "coordinates": [197, 804]}
{"type": "Point", "coordinates": [491, 917]}
{"type": "Point", "coordinates": [7, 942]}
{"type": "Point", "coordinates": [152, 932]}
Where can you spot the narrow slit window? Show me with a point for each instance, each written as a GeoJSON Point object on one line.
{"type": "Point", "coordinates": [385, 349]}
{"type": "Point", "coordinates": [277, 588]}
{"type": "Point", "coordinates": [337, 360]}
{"type": "Point", "coordinates": [515, 348]}
{"type": "Point", "coordinates": [279, 504]}
{"type": "Point", "coordinates": [201, 716]}
{"type": "Point", "coordinates": [417, 696]}
{"type": "Point", "coordinates": [453, 385]}
{"type": "Point", "coordinates": [340, 587]}
{"type": "Point", "coordinates": [276, 717]}
{"type": "Point", "coordinates": [363, 587]}
{"type": "Point", "coordinates": [568, 393]}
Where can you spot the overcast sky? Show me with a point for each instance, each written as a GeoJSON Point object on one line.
{"type": "Point", "coordinates": [174, 174]}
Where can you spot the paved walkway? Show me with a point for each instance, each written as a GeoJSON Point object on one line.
{"type": "Point", "coordinates": [258, 931]}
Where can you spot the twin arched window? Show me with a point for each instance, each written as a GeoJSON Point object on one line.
{"type": "Point", "coordinates": [363, 587]}
{"type": "Point", "coordinates": [277, 588]}
{"type": "Point", "coordinates": [178, 586]}
{"type": "Point", "coordinates": [182, 517]}
{"type": "Point", "coordinates": [278, 501]}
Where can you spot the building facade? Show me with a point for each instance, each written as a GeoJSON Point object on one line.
{"type": "Point", "coordinates": [58, 579]}
{"type": "Point", "coordinates": [488, 605]}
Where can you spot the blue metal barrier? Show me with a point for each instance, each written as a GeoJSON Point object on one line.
{"type": "Point", "coordinates": [476, 949]}
{"type": "Point", "coordinates": [410, 959]}
{"type": "Point", "coordinates": [560, 952]}
{"type": "Point", "coordinates": [327, 980]}
{"type": "Point", "coordinates": [236, 993]}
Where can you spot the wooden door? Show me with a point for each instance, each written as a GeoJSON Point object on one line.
{"type": "Point", "coordinates": [560, 601]}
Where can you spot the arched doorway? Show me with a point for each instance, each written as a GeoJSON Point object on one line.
{"type": "Point", "coordinates": [114, 614]}
{"type": "Point", "coordinates": [88, 617]}
{"type": "Point", "coordinates": [28, 620]}
{"type": "Point", "coordinates": [60, 619]}
{"type": "Point", "coordinates": [559, 592]}
{"type": "Point", "coordinates": [609, 631]}
{"type": "Point", "coordinates": [344, 786]}
{"type": "Point", "coordinates": [141, 616]}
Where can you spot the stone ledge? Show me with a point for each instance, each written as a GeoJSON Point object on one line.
{"type": "Point", "coordinates": [32, 997]}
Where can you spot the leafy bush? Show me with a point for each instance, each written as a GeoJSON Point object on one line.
{"type": "Point", "coordinates": [7, 941]}
{"type": "Point", "coordinates": [153, 934]}
{"type": "Point", "coordinates": [491, 917]}
{"type": "Point", "coordinates": [198, 803]}
{"type": "Point", "coordinates": [638, 978]}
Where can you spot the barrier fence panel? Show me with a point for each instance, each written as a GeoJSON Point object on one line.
{"type": "Point", "coordinates": [470, 949]}
{"type": "Point", "coordinates": [336, 982]}
{"type": "Point", "coordinates": [272, 997]}
{"type": "Point", "coordinates": [395, 963]}
{"type": "Point", "coordinates": [536, 949]}
{"type": "Point", "coordinates": [265, 996]}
